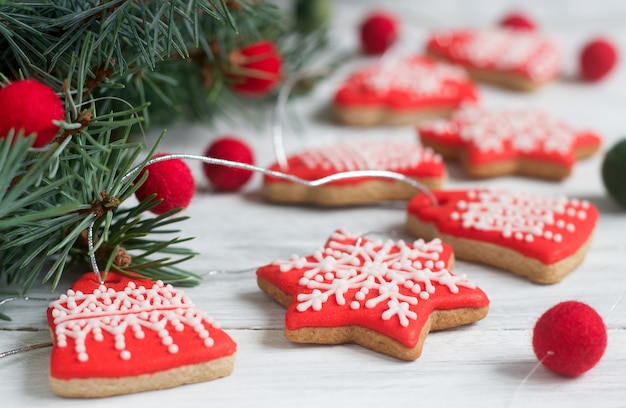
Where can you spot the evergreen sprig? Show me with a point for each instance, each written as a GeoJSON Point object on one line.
{"type": "Point", "coordinates": [113, 62]}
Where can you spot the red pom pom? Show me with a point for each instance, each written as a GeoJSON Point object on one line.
{"type": "Point", "coordinates": [597, 59]}
{"type": "Point", "coordinates": [570, 338]}
{"type": "Point", "coordinates": [226, 178]}
{"type": "Point", "coordinates": [517, 21]}
{"type": "Point", "coordinates": [378, 32]}
{"type": "Point", "coordinates": [171, 181]}
{"type": "Point", "coordinates": [256, 69]}
{"type": "Point", "coordinates": [30, 106]}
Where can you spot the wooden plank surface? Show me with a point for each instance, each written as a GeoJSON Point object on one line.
{"type": "Point", "coordinates": [489, 363]}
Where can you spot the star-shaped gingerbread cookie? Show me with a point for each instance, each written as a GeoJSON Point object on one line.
{"type": "Point", "coordinates": [497, 142]}
{"type": "Point", "coordinates": [402, 92]}
{"type": "Point", "coordinates": [129, 335]}
{"type": "Point", "coordinates": [403, 157]}
{"type": "Point", "coordinates": [386, 296]}
{"type": "Point", "coordinates": [543, 238]}
{"type": "Point", "coordinates": [517, 59]}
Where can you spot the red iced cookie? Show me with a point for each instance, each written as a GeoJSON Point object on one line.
{"type": "Point", "coordinates": [402, 92]}
{"type": "Point", "coordinates": [542, 238]}
{"type": "Point", "coordinates": [517, 59]}
{"type": "Point", "coordinates": [130, 335]}
{"type": "Point", "coordinates": [496, 142]}
{"type": "Point", "coordinates": [406, 158]}
{"type": "Point", "coordinates": [385, 296]}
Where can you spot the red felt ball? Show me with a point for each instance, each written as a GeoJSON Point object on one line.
{"type": "Point", "coordinates": [597, 58]}
{"type": "Point", "coordinates": [569, 338]}
{"type": "Point", "coordinates": [256, 69]}
{"type": "Point", "coordinates": [171, 181]}
{"type": "Point", "coordinates": [518, 21]}
{"type": "Point", "coordinates": [30, 106]}
{"type": "Point", "coordinates": [379, 31]}
{"type": "Point", "coordinates": [226, 178]}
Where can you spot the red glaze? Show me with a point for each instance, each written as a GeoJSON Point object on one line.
{"type": "Point", "coordinates": [414, 83]}
{"type": "Point", "coordinates": [521, 52]}
{"type": "Point", "coordinates": [147, 355]}
{"type": "Point", "coordinates": [554, 214]}
{"type": "Point", "coordinates": [30, 106]}
{"type": "Point", "coordinates": [406, 158]}
{"type": "Point", "coordinates": [340, 247]}
{"type": "Point", "coordinates": [491, 136]}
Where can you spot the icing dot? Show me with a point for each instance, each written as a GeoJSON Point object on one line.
{"type": "Point", "coordinates": [354, 305]}
{"type": "Point", "coordinates": [558, 238]}
{"type": "Point", "coordinates": [209, 342]}
{"type": "Point", "coordinates": [529, 238]}
{"type": "Point", "coordinates": [81, 348]}
{"type": "Point", "coordinates": [166, 341]}
{"type": "Point", "coordinates": [424, 295]}
{"type": "Point", "coordinates": [125, 355]}
{"type": "Point", "coordinates": [547, 235]}
{"type": "Point", "coordinates": [519, 236]}
{"type": "Point", "coordinates": [455, 216]}
{"type": "Point", "coordinates": [570, 227]}
{"type": "Point", "coordinates": [560, 223]}
{"type": "Point", "coordinates": [83, 357]}
{"type": "Point", "coordinates": [582, 215]}
{"type": "Point", "coordinates": [359, 296]}
{"type": "Point", "coordinates": [173, 348]}
{"type": "Point", "coordinates": [571, 212]}
{"type": "Point", "coordinates": [140, 335]}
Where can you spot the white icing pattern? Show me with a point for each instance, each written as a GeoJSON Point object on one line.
{"type": "Point", "coordinates": [126, 313]}
{"type": "Point", "coordinates": [365, 273]}
{"type": "Point", "coordinates": [523, 217]}
{"type": "Point", "coordinates": [419, 79]}
{"type": "Point", "coordinates": [380, 155]}
{"type": "Point", "coordinates": [522, 130]}
{"type": "Point", "coordinates": [508, 50]}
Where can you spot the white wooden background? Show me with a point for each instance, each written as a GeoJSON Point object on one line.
{"type": "Point", "coordinates": [489, 363]}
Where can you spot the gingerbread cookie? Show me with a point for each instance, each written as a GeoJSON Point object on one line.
{"type": "Point", "coordinates": [541, 238]}
{"type": "Point", "coordinates": [517, 59]}
{"type": "Point", "coordinates": [130, 335]}
{"type": "Point", "coordinates": [385, 296]}
{"type": "Point", "coordinates": [402, 93]}
{"type": "Point", "coordinates": [498, 142]}
{"type": "Point", "coordinates": [406, 158]}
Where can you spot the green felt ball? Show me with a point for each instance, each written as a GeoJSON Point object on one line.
{"type": "Point", "coordinates": [614, 172]}
{"type": "Point", "coordinates": [312, 14]}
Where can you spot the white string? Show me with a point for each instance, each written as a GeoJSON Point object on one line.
{"type": "Point", "coordinates": [92, 253]}
{"type": "Point", "coordinates": [385, 174]}
{"type": "Point", "coordinates": [24, 349]}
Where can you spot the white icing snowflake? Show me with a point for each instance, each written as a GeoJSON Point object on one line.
{"type": "Point", "coordinates": [125, 313]}
{"type": "Point", "coordinates": [525, 130]}
{"type": "Point", "coordinates": [508, 50]}
{"type": "Point", "coordinates": [377, 155]}
{"type": "Point", "coordinates": [520, 216]}
{"type": "Point", "coordinates": [363, 273]}
{"type": "Point", "coordinates": [416, 77]}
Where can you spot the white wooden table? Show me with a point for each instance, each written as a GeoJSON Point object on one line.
{"type": "Point", "coordinates": [490, 363]}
